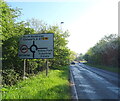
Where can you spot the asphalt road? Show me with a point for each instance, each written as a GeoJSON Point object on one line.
{"type": "Point", "coordinates": [95, 84]}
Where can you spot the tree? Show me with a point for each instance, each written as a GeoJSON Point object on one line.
{"type": "Point", "coordinates": [79, 57]}
{"type": "Point", "coordinates": [38, 25]}
{"type": "Point", "coordinates": [61, 51]}
{"type": "Point", "coordinates": [11, 32]}
{"type": "Point", "coordinates": [105, 52]}
{"type": "Point", "coordinates": [8, 16]}
{"type": "Point", "coordinates": [72, 56]}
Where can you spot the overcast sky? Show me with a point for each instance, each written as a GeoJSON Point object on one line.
{"type": "Point", "coordinates": [87, 20]}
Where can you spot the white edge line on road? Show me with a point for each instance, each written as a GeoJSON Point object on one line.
{"type": "Point", "coordinates": [75, 95]}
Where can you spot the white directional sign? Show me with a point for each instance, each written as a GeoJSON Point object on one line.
{"type": "Point", "coordinates": [36, 46]}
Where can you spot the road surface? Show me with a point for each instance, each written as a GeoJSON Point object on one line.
{"type": "Point", "coordinates": [95, 84]}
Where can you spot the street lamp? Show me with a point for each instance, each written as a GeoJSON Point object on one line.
{"type": "Point", "coordinates": [62, 22]}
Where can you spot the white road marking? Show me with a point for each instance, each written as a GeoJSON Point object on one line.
{"type": "Point", "coordinates": [86, 87]}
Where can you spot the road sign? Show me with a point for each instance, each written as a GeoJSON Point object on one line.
{"type": "Point", "coordinates": [36, 46]}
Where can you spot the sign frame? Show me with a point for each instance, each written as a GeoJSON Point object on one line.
{"type": "Point", "coordinates": [23, 48]}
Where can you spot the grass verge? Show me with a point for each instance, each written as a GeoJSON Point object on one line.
{"type": "Point", "coordinates": [54, 86]}
{"type": "Point", "coordinates": [111, 69]}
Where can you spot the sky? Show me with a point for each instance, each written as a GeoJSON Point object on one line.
{"type": "Point", "coordinates": [86, 20]}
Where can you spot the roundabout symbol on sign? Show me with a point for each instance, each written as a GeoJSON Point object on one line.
{"type": "Point", "coordinates": [24, 48]}
{"type": "Point", "coordinates": [33, 48]}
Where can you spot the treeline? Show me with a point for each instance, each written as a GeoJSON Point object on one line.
{"type": "Point", "coordinates": [12, 30]}
{"type": "Point", "coordinates": [105, 52]}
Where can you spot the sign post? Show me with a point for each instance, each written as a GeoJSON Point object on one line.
{"type": "Point", "coordinates": [24, 69]}
{"type": "Point", "coordinates": [37, 46]}
{"type": "Point", "coordinates": [47, 67]}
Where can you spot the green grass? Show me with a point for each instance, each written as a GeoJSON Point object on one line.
{"type": "Point", "coordinates": [111, 69]}
{"type": "Point", "coordinates": [54, 86]}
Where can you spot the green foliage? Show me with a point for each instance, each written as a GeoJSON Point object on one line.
{"type": "Point", "coordinates": [12, 30]}
{"type": "Point", "coordinates": [38, 25]}
{"type": "Point", "coordinates": [55, 86]}
{"type": "Point", "coordinates": [61, 52]}
{"type": "Point", "coordinates": [12, 66]}
{"type": "Point", "coordinates": [72, 56]}
{"type": "Point", "coordinates": [105, 52]}
{"type": "Point", "coordinates": [79, 57]}
{"type": "Point", "coordinates": [7, 20]}
{"type": "Point", "coordinates": [10, 76]}
{"type": "Point", "coordinates": [112, 69]}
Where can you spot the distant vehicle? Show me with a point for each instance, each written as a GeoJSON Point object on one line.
{"type": "Point", "coordinates": [73, 63]}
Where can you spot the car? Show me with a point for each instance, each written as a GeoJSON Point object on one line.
{"type": "Point", "coordinates": [73, 63]}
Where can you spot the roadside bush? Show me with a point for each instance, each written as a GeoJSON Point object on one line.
{"type": "Point", "coordinates": [10, 77]}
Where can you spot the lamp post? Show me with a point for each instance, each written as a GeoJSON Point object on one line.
{"type": "Point", "coordinates": [62, 22]}
{"type": "Point", "coordinates": [61, 25]}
